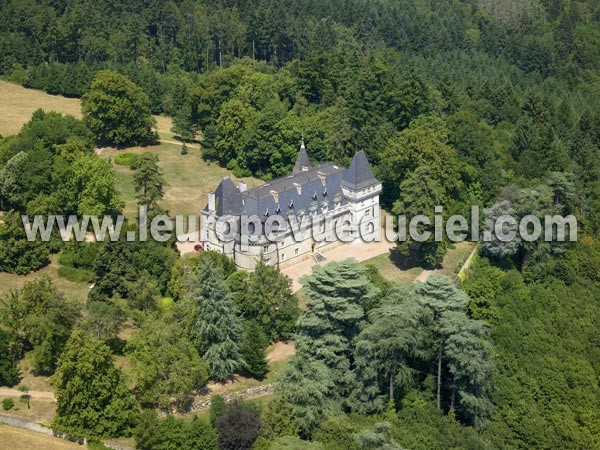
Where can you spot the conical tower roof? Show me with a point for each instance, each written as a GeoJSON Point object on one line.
{"type": "Point", "coordinates": [228, 198]}
{"type": "Point", "coordinates": [302, 161]}
{"type": "Point", "coordinates": [359, 175]}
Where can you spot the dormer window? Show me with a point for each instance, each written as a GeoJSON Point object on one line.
{"type": "Point", "coordinates": [314, 197]}
{"type": "Point", "coordinates": [267, 213]}
{"type": "Point", "coordinates": [278, 210]}
{"type": "Point", "coordinates": [291, 204]}
{"type": "Point", "coordinates": [325, 192]}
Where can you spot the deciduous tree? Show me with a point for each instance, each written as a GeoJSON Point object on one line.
{"type": "Point", "coordinates": [118, 111]}
{"type": "Point", "coordinates": [166, 366]}
{"type": "Point", "coordinates": [92, 398]}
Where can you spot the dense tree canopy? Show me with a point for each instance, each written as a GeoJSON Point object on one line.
{"type": "Point", "coordinates": [92, 398]}
{"type": "Point", "coordinates": [456, 103]}
{"type": "Point", "coordinates": [117, 111]}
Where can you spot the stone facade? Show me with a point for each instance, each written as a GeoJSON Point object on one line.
{"type": "Point", "coordinates": [319, 196]}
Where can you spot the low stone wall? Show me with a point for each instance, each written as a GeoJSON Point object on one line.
{"type": "Point", "coordinates": [247, 394]}
{"type": "Point", "coordinates": [25, 424]}
{"type": "Point", "coordinates": [36, 427]}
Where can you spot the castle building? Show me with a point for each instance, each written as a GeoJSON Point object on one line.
{"type": "Point", "coordinates": [321, 195]}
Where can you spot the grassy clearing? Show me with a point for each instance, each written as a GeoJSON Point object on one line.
{"type": "Point", "coordinates": [189, 176]}
{"type": "Point", "coordinates": [31, 381]}
{"type": "Point", "coordinates": [18, 103]}
{"type": "Point", "coordinates": [453, 261]}
{"type": "Point", "coordinates": [16, 439]}
{"type": "Point", "coordinates": [71, 289]}
{"type": "Point", "coordinates": [456, 257]}
{"type": "Point", "coordinates": [40, 410]}
{"type": "Point", "coordinates": [391, 272]}
{"type": "Point", "coordinates": [261, 402]}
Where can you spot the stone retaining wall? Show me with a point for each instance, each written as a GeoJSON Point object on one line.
{"type": "Point", "coordinates": [247, 394]}
{"type": "Point", "coordinates": [36, 427]}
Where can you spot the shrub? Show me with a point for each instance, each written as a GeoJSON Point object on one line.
{"type": "Point", "coordinates": [128, 159]}
{"type": "Point", "coordinates": [8, 404]}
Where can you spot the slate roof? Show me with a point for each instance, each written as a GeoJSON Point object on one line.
{"type": "Point", "coordinates": [228, 198]}
{"type": "Point", "coordinates": [302, 160]}
{"type": "Point", "coordinates": [359, 175]}
{"type": "Point", "coordinates": [299, 193]}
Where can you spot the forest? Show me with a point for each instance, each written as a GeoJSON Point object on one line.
{"type": "Point", "coordinates": [455, 102]}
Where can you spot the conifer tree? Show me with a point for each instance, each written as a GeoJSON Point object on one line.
{"type": "Point", "coordinates": [441, 296]}
{"type": "Point", "coordinates": [218, 325]}
{"type": "Point", "coordinates": [307, 385]}
{"type": "Point", "coordinates": [339, 293]}
{"type": "Point", "coordinates": [420, 194]}
{"type": "Point", "coordinates": [278, 420]}
{"type": "Point", "coordinates": [270, 302]}
{"type": "Point", "coordinates": [9, 370]}
{"type": "Point", "coordinates": [494, 247]}
{"type": "Point", "coordinates": [384, 348]}
{"type": "Point", "coordinates": [149, 181]}
{"type": "Point", "coordinates": [254, 350]}
{"type": "Point", "coordinates": [468, 357]}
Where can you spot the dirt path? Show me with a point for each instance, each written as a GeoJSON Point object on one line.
{"type": "Point", "coordinates": [170, 141]}
{"type": "Point", "coordinates": [423, 276]}
{"type": "Point", "coordinates": [8, 392]}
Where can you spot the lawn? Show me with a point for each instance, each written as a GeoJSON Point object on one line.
{"type": "Point", "coordinates": [453, 261]}
{"type": "Point", "coordinates": [456, 257]}
{"type": "Point", "coordinates": [18, 103]}
{"type": "Point", "coordinates": [189, 178]}
{"type": "Point", "coordinates": [40, 410]}
{"type": "Point", "coordinates": [72, 290]}
{"type": "Point", "coordinates": [17, 439]}
{"type": "Point", "coordinates": [391, 272]}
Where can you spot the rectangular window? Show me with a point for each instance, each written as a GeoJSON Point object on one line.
{"type": "Point", "coordinates": [265, 248]}
{"type": "Point", "coordinates": [296, 251]}
{"type": "Point", "coordinates": [283, 256]}
{"type": "Point", "coordinates": [268, 261]}
{"type": "Point", "coordinates": [368, 212]}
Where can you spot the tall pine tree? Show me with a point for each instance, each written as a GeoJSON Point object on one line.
{"type": "Point", "coordinates": [218, 325]}
{"type": "Point", "coordinates": [440, 296]}
{"type": "Point", "coordinates": [339, 294]}
{"type": "Point", "coordinates": [384, 350]}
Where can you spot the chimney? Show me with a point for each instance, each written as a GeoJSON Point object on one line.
{"type": "Point", "coordinates": [211, 201]}
{"type": "Point", "coordinates": [243, 186]}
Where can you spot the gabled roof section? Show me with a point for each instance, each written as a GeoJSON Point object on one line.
{"type": "Point", "coordinates": [228, 198]}
{"type": "Point", "coordinates": [297, 193]}
{"type": "Point", "coordinates": [359, 175]}
{"type": "Point", "coordinates": [302, 161]}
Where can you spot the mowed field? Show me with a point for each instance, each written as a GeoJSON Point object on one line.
{"type": "Point", "coordinates": [17, 439]}
{"type": "Point", "coordinates": [18, 103]}
{"type": "Point", "coordinates": [9, 282]}
{"type": "Point", "coordinates": [189, 178]}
